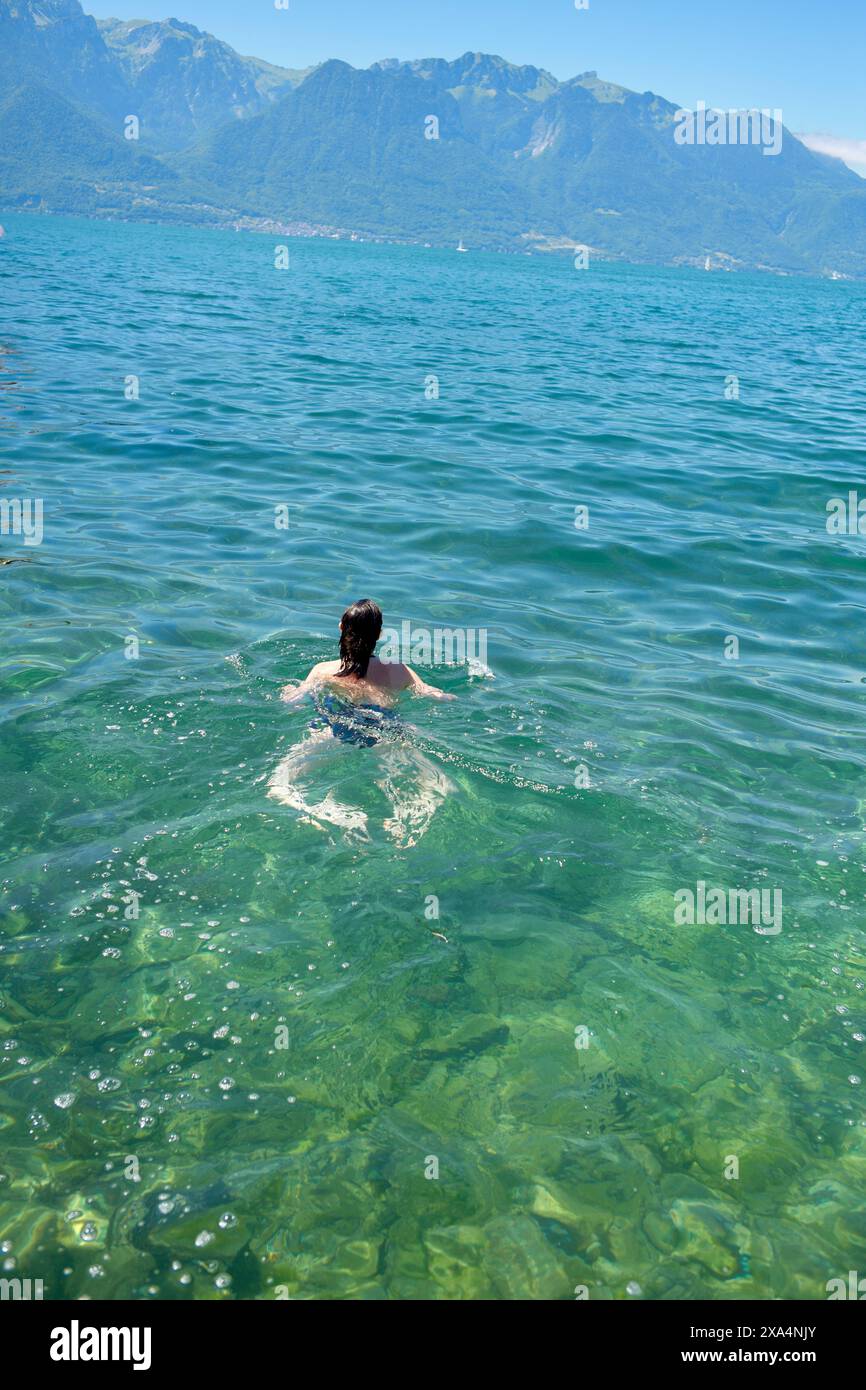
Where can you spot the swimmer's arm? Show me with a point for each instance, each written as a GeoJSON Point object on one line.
{"type": "Point", "coordinates": [419, 687]}
{"type": "Point", "coordinates": [293, 694]}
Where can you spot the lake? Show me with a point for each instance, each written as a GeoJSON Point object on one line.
{"type": "Point", "coordinates": [511, 1022]}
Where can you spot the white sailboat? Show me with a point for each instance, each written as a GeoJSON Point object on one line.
{"type": "Point", "coordinates": [461, 247]}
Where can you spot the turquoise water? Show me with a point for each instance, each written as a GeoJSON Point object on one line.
{"type": "Point", "coordinates": [235, 1084]}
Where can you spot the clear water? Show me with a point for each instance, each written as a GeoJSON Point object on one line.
{"type": "Point", "coordinates": [269, 1171]}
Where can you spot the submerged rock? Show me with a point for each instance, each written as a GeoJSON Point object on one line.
{"type": "Point", "coordinates": [554, 1202]}
{"type": "Point", "coordinates": [521, 1263]}
{"type": "Point", "coordinates": [455, 1261]}
{"type": "Point", "coordinates": [708, 1236]}
{"type": "Point", "coordinates": [470, 1037]}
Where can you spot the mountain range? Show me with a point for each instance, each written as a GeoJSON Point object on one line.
{"type": "Point", "coordinates": [506, 157]}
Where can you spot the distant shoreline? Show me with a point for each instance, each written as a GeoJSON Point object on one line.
{"type": "Point", "coordinates": [542, 245]}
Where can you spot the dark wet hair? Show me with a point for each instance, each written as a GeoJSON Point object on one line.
{"type": "Point", "coordinates": [361, 630]}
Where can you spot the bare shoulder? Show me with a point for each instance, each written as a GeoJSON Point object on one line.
{"type": "Point", "coordinates": [322, 671]}
{"type": "Point", "coordinates": [392, 674]}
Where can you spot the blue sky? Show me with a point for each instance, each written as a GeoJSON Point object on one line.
{"type": "Point", "coordinates": [803, 56]}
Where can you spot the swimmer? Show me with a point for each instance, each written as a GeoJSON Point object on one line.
{"type": "Point", "coordinates": [362, 676]}
{"type": "Point", "coordinates": [356, 702]}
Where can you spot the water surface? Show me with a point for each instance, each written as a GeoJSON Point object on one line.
{"type": "Point", "coordinates": [274, 1028]}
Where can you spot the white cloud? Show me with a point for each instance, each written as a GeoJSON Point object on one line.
{"type": "Point", "coordinates": [851, 152]}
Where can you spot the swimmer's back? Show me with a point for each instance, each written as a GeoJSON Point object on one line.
{"type": "Point", "coordinates": [381, 685]}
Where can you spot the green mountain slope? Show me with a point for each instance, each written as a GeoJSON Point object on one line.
{"type": "Point", "coordinates": [184, 82]}
{"type": "Point", "coordinates": [53, 43]}
{"type": "Point", "coordinates": [347, 148]}
{"type": "Point", "coordinates": [521, 159]}
{"type": "Point", "coordinates": [54, 157]}
{"type": "Point", "coordinates": [524, 160]}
